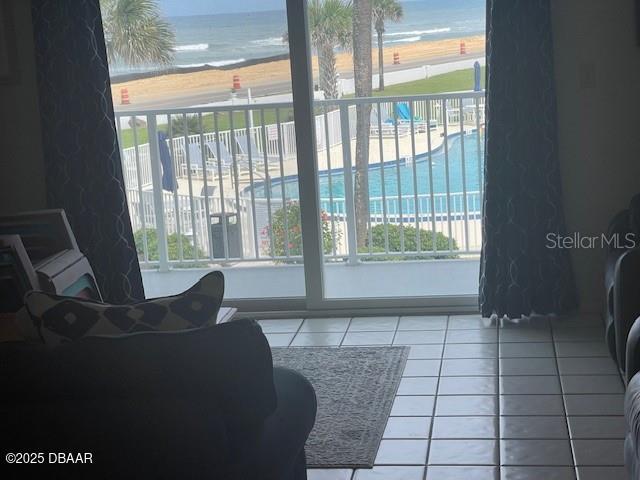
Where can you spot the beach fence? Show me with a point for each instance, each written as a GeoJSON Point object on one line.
{"type": "Point", "coordinates": [210, 184]}
{"type": "Point", "coordinates": [347, 87]}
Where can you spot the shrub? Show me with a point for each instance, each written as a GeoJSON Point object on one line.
{"type": "Point", "coordinates": [189, 251]}
{"type": "Point", "coordinates": [410, 243]}
{"type": "Point", "coordinates": [294, 232]}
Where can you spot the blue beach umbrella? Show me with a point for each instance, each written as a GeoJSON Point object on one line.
{"type": "Point", "coordinates": [476, 77]}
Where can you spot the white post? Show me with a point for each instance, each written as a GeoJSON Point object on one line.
{"type": "Point", "coordinates": [158, 196]}
{"type": "Point", "coordinates": [349, 203]}
{"type": "Point", "coordinates": [250, 111]}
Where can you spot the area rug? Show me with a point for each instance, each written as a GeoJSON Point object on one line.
{"type": "Point", "coordinates": [355, 387]}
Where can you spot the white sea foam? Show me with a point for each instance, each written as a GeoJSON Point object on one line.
{"type": "Point", "coordinates": [195, 47]}
{"type": "Point", "coordinates": [268, 42]}
{"type": "Point", "coordinates": [417, 38]}
{"type": "Point", "coordinates": [218, 63]}
{"type": "Point", "coordinates": [418, 32]}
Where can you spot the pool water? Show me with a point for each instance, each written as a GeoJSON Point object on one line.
{"type": "Point", "coordinates": [413, 178]}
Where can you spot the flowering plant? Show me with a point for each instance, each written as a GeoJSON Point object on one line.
{"type": "Point", "coordinates": [286, 231]}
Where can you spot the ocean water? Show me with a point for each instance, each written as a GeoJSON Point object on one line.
{"type": "Point", "coordinates": [229, 38]}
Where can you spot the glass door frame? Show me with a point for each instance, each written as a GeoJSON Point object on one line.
{"type": "Point", "coordinates": [302, 84]}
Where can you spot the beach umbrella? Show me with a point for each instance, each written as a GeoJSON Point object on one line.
{"type": "Point", "coordinates": [476, 76]}
{"type": "Point", "coordinates": [168, 175]}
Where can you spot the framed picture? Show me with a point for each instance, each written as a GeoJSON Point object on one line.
{"type": "Point", "coordinates": [8, 53]}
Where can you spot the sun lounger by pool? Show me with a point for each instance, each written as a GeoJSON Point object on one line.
{"type": "Point", "coordinates": [219, 148]}
{"type": "Point", "coordinates": [249, 150]}
{"type": "Point", "coordinates": [469, 111]}
{"type": "Point", "coordinates": [194, 153]}
{"type": "Point", "coordinates": [385, 125]}
{"type": "Point", "coordinates": [404, 116]}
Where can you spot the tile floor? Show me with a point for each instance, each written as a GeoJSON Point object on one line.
{"type": "Point", "coordinates": [538, 400]}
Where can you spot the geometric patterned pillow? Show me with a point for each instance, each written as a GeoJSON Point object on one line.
{"type": "Point", "coordinates": [65, 319]}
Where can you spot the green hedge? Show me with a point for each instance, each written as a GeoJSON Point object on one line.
{"type": "Point", "coordinates": [189, 251]}
{"type": "Point", "coordinates": [410, 243]}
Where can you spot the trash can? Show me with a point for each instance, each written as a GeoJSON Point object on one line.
{"type": "Point", "coordinates": [234, 238]}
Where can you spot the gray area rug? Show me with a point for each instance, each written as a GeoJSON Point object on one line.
{"type": "Point", "coordinates": [355, 387]}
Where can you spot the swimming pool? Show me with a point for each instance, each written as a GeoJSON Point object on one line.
{"type": "Point", "coordinates": [404, 184]}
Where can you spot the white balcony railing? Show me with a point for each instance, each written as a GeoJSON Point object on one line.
{"type": "Point", "coordinates": [228, 192]}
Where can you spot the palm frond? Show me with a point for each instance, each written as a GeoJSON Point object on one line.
{"type": "Point", "coordinates": [135, 33]}
{"type": "Point", "coordinates": [330, 23]}
{"type": "Point", "coordinates": [386, 10]}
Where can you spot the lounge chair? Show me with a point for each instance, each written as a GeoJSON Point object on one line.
{"type": "Point", "coordinates": [386, 126]}
{"type": "Point", "coordinates": [250, 151]}
{"type": "Point", "coordinates": [404, 116]}
{"type": "Point", "coordinates": [195, 160]}
{"type": "Point", "coordinates": [468, 111]}
{"type": "Point", "coordinates": [226, 160]}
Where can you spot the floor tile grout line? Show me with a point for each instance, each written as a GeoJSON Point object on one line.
{"type": "Point", "coordinates": [564, 407]}
{"type": "Point", "coordinates": [435, 400]}
{"type": "Point", "coordinates": [297, 332]}
{"type": "Point", "coordinates": [395, 334]}
{"type": "Point", "coordinates": [341, 344]}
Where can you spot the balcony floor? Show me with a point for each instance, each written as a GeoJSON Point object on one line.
{"type": "Point", "coordinates": [365, 280]}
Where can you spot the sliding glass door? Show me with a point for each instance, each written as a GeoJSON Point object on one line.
{"type": "Point", "coordinates": [321, 153]}
{"type": "Point", "coordinates": [393, 195]}
{"type": "Point", "coordinates": [207, 134]}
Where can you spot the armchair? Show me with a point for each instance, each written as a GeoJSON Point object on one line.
{"type": "Point", "coordinates": [203, 403]}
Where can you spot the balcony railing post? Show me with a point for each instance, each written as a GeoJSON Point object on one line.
{"type": "Point", "coordinates": [350, 208]}
{"type": "Point", "coordinates": [158, 196]}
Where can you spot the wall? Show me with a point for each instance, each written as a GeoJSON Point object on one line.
{"type": "Point", "coordinates": [22, 184]}
{"type": "Point", "coordinates": [598, 85]}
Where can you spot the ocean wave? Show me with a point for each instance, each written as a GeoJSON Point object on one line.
{"type": "Point", "coordinates": [417, 38]}
{"type": "Point", "coordinates": [268, 42]}
{"type": "Point", "coordinates": [419, 32]}
{"type": "Point", "coordinates": [217, 63]}
{"type": "Point", "coordinates": [196, 47]}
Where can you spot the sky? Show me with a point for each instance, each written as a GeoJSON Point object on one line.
{"type": "Point", "coordinates": [174, 8]}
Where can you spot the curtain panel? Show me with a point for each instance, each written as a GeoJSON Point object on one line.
{"type": "Point", "coordinates": [81, 155]}
{"type": "Point", "coordinates": [520, 272]}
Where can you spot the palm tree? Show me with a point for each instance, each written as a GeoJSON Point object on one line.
{"type": "Point", "coordinates": [384, 10]}
{"type": "Point", "coordinates": [330, 27]}
{"type": "Point", "coordinates": [135, 33]}
{"type": "Point", "coordinates": [362, 19]}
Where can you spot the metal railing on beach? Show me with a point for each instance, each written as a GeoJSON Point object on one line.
{"type": "Point", "coordinates": [218, 184]}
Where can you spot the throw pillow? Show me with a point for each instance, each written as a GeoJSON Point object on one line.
{"type": "Point", "coordinates": [65, 319]}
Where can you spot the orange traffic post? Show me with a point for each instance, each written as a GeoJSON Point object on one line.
{"type": "Point", "coordinates": [124, 96]}
{"type": "Point", "coordinates": [463, 48]}
{"type": "Point", "coordinates": [396, 58]}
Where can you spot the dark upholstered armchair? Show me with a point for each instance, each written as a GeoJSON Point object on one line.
{"type": "Point", "coordinates": [622, 304]}
{"type": "Point", "coordinates": [203, 403]}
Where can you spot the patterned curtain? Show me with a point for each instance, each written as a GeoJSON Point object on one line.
{"type": "Point", "coordinates": [519, 273]}
{"type": "Point", "coordinates": [82, 160]}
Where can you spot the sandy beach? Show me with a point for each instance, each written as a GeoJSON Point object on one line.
{"type": "Point", "coordinates": [211, 81]}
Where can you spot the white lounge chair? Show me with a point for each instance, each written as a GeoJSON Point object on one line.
{"type": "Point", "coordinates": [469, 111]}
{"type": "Point", "coordinates": [226, 160]}
{"type": "Point", "coordinates": [386, 126]}
{"type": "Point", "coordinates": [195, 161]}
{"type": "Point", "coordinates": [249, 150]}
